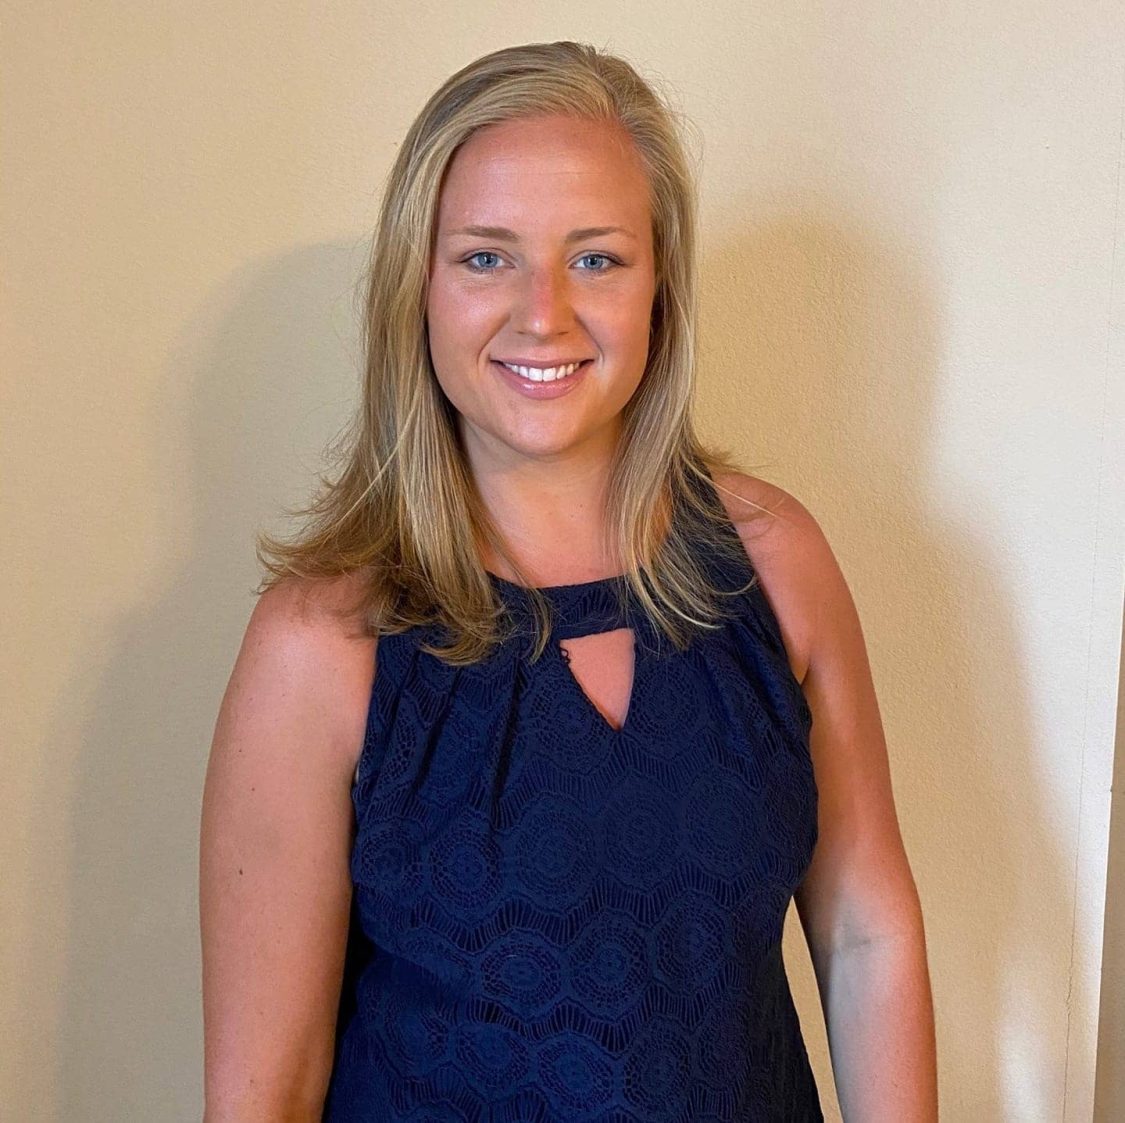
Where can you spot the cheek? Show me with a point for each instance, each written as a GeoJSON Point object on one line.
{"type": "Point", "coordinates": [628, 325]}
{"type": "Point", "coordinates": [456, 332]}
{"type": "Point", "coordinates": [453, 308]}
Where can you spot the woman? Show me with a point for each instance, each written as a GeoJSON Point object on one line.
{"type": "Point", "coordinates": [531, 860]}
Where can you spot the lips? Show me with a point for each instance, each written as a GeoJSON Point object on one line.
{"type": "Point", "coordinates": [530, 388]}
{"type": "Point", "coordinates": [541, 364]}
{"type": "Point", "coordinates": [573, 369]}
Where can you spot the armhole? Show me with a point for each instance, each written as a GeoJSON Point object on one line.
{"type": "Point", "coordinates": [365, 740]}
{"type": "Point", "coordinates": [761, 602]}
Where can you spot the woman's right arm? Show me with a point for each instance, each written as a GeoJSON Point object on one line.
{"type": "Point", "coordinates": [275, 839]}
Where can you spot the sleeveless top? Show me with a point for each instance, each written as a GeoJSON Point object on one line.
{"type": "Point", "coordinates": [557, 921]}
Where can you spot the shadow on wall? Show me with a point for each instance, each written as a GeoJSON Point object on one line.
{"type": "Point", "coordinates": [260, 378]}
{"type": "Point", "coordinates": [819, 353]}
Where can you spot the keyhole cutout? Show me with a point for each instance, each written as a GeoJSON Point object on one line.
{"type": "Point", "coordinates": [603, 667]}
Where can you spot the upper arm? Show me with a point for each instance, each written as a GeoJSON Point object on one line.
{"type": "Point", "coordinates": [276, 831]}
{"type": "Point", "coordinates": [858, 886]}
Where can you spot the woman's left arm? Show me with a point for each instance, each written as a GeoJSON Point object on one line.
{"type": "Point", "coordinates": [858, 903]}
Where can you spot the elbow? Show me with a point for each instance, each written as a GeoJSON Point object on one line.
{"type": "Point", "coordinates": [294, 1100]}
{"type": "Point", "coordinates": [289, 1109]}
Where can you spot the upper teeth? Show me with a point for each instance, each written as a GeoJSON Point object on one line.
{"type": "Point", "coordinates": [547, 374]}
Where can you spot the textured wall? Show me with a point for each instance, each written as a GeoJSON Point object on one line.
{"type": "Point", "coordinates": [913, 320]}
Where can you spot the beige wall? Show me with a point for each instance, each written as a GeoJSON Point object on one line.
{"type": "Point", "coordinates": [914, 320]}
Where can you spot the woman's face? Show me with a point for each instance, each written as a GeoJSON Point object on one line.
{"type": "Point", "coordinates": [542, 281]}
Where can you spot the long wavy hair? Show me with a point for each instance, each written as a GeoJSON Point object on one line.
{"type": "Point", "coordinates": [401, 505]}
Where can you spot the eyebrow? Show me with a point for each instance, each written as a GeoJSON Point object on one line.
{"type": "Point", "coordinates": [503, 234]}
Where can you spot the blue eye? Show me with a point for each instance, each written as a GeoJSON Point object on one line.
{"type": "Point", "coordinates": [610, 261]}
{"type": "Point", "coordinates": [480, 253]}
{"type": "Point", "coordinates": [605, 257]}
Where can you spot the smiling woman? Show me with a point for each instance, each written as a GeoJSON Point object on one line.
{"type": "Point", "coordinates": [513, 784]}
{"type": "Point", "coordinates": [516, 194]}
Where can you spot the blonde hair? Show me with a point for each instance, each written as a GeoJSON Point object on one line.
{"type": "Point", "coordinates": [403, 507]}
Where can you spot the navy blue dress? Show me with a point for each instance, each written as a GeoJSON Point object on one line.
{"type": "Point", "coordinates": [557, 921]}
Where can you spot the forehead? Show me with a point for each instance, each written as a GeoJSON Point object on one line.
{"type": "Point", "coordinates": [535, 167]}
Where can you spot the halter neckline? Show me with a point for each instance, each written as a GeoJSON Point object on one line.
{"type": "Point", "coordinates": [548, 590]}
{"type": "Point", "coordinates": [585, 607]}
{"type": "Point", "coordinates": [581, 608]}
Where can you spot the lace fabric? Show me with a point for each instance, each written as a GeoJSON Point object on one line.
{"type": "Point", "coordinates": [556, 921]}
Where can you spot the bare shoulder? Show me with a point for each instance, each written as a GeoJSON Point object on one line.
{"type": "Point", "coordinates": [789, 552]}
{"type": "Point", "coordinates": [312, 640]}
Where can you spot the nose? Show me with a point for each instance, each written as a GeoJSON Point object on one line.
{"type": "Point", "coordinates": [544, 307]}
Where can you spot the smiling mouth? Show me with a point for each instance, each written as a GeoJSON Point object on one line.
{"type": "Point", "coordinates": [543, 374]}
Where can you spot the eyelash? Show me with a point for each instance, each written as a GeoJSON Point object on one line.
{"type": "Point", "coordinates": [492, 253]}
